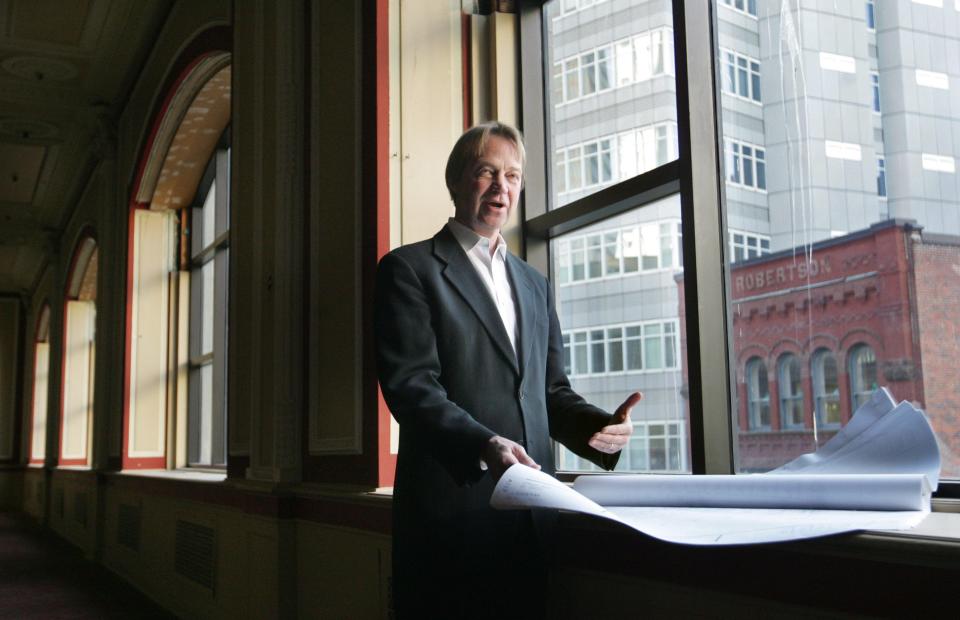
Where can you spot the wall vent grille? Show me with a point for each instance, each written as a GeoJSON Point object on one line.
{"type": "Point", "coordinates": [195, 552]}
{"type": "Point", "coordinates": [80, 509]}
{"type": "Point", "coordinates": [128, 526]}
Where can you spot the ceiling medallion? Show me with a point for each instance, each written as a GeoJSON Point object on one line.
{"type": "Point", "coordinates": [39, 69]}
{"type": "Point", "coordinates": [24, 129]}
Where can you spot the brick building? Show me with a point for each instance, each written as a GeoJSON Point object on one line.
{"type": "Point", "coordinates": [817, 328]}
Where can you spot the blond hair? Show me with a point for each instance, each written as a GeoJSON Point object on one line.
{"type": "Point", "coordinates": [470, 147]}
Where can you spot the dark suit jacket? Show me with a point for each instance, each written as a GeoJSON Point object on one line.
{"type": "Point", "coordinates": [452, 381]}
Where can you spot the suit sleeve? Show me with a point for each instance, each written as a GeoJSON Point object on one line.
{"type": "Point", "coordinates": [408, 367]}
{"type": "Point", "coordinates": [572, 419]}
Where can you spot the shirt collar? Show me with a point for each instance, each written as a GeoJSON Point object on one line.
{"type": "Point", "coordinates": [470, 239]}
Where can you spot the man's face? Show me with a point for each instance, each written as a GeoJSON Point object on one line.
{"type": "Point", "coordinates": [489, 188]}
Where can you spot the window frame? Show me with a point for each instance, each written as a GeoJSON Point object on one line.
{"type": "Point", "coordinates": [756, 365]}
{"type": "Point", "coordinates": [695, 175]}
{"type": "Point", "coordinates": [734, 151]}
{"type": "Point", "coordinates": [788, 398]}
{"type": "Point", "coordinates": [730, 83]}
{"type": "Point", "coordinates": [857, 351]}
{"type": "Point", "coordinates": [818, 385]}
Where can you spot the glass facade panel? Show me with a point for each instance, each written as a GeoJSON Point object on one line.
{"type": "Point", "coordinates": [832, 181]}
{"type": "Point", "coordinates": [629, 68]}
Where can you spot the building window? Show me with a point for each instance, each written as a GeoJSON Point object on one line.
{"type": "Point", "coordinates": [748, 7]}
{"type": "Point", "coordinates": [41, 386]}
{"type": "Point", "coordinates": [758, 395]}
{"type": "Point", "coordinates": [826, 388]}
{"type": "Point", "coordinates": [655, 446]}
{"type": "Point", "coordinates": [863, 374]}
{"type": "Point", "coordinates": [642, 347]}
{"type": "Point", "coordinates": [842, 150]}
{"type": "Point", "coordinates": [791, 392]}
{"type": "Point", "coordinates": [620, 252]}
{"type": "Point", "coordinates": [741, 76]}
{"type": "Point", "coordinates": [937, 163]}
{"type": "Point", "coordinates": [875, 90]}
{"type": "Point", "coordinates": [568, 7]}
{"type": "Point", "coordinates": [209, 259]}
{"type": "Point", "coordinates": [881, 177]}
{"type": "Point", "coordinates": [871, 15]}
{"type": "Point", "coordinates": [630, 60]}
{"type": "Point", "coordinates": [746, 165]}
{"type": "Point", "coordinates": [744, 245]}
{"type": "Point", "coordinates": [589, 165]}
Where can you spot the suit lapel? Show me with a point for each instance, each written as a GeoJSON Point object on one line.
{"type": "Point", "coordinates": [463, 277]}
{"type": "Point", "coordinates": [526, 308]}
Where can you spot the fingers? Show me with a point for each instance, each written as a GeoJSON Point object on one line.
{"type": "Point", "coordinates": [622, 413]}
{"type": "Point", "coordinates": [608, 444]}
{"type": "Point", "coordinates": [613, 437]}
{"type": "Point", "coordinates": [523, 458]}
{"type": "Point", "coordinates": [501, 453]}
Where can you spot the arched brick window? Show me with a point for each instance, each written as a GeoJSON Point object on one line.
{"type": "Point", "coordinates": [826, 388]}
{"type": "Point", "coordinates": [791, 391]}
{"type": "Point", "coordinates": [758, 395]}
{"type": "Point", "coordinates": [863, 374]}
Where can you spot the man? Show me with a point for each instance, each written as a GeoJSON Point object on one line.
{"type": "Point", "coordinates": [470, 361]}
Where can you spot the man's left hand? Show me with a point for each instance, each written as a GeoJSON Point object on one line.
{"type": "Point", "coordinates": [612, 438]}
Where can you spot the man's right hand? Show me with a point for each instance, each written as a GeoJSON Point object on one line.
{"type": "Point", "coordinates": [500, 453]}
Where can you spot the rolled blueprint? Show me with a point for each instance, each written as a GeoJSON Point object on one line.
{"type": "Point", "coordinates": [813, 491]}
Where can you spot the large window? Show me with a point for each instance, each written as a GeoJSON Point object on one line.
{"type": "Point", "coordinates": [839, 159]}
{"type": "Point", "coordinates": [176, 397]}
{"type": "Point", "coordinates": [807, 177]}
{"type": "Point", "coordinates": [611, 119]}
{"type": "Point", "coordinates": [209, 259]}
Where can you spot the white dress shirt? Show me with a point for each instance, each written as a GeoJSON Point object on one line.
{"type": "Point", "coordinates": [492, 270]}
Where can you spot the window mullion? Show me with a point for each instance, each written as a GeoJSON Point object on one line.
{"type": "Point", "coordinates": [706, 271]}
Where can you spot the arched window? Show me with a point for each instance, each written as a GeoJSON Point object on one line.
{"type": "Point", "coordinates": [791, 391]}
{"type": "Point", "coordinates": [79, 346]}
{"type": "Point", "coordinates": [758, 395]}
{"type": "Point", "coordinates": [41, 385]}
{"type": "Point", "coordinates": [863, 374]}
{"type": "Point", "coordinates": [826, 388]}
{"type": "Point", "coordinates": [178, 294]}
